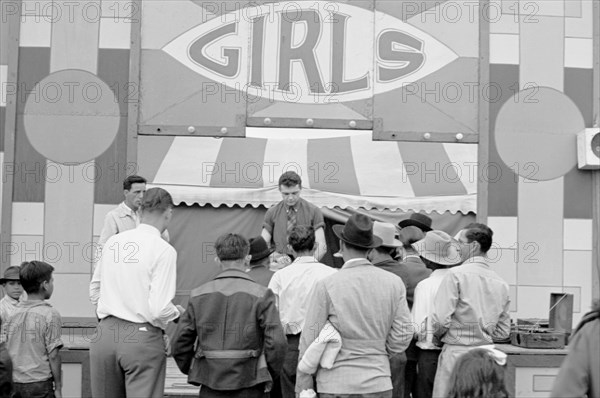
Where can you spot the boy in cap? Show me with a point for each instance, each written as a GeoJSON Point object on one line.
{"type": "Point", "coordinates": [439, 252]}
{"type": "Point", "coordinates": [13, 289]}
{"type": "Point", "coordinates": [369, 310]}
{"type": "Point", "coordinates": [259, 261]}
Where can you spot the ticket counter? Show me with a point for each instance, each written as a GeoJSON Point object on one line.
{"type": "Point", "coordinates": [531, 372]}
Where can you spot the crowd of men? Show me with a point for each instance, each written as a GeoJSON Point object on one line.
{"type": "Point", "coordinates": [391, 322]}
{"type": "Point", "coordinates": [413, 312]}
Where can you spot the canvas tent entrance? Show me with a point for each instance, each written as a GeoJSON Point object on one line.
{"type": "Point", "coordinates": [226, 185]}
{"type": "Point", "coordinates": [338, 168]}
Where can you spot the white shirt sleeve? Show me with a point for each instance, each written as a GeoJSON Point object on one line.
{"type": "Point", "coordinates": [420, 312]}
{"type": "Point", "coordinates": [162, 288]}
{"type": "Point", "coordinates": [95, 284]}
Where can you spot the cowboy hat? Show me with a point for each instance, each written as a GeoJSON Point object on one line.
{"type": "Point", "coordinates": [358, 231]}
{"type": "Point", "coordinates": [418, 220]}
{"type": "Point", "coordinates": [386, 232]}
{"type": "Point", "coordinates": [259, 249]}
{"type": "Point", "coordinates": [11, 274]}
{"type": "Point", "coordinates": [439, 247]}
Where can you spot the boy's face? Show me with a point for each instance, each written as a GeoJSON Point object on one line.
{"type": "Point", "coordinates": [13, 289]}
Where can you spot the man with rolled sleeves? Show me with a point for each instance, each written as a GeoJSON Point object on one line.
{"type": "Point", "coordinates": [292, 211]}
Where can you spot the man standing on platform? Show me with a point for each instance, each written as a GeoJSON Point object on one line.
{"type": "Point", "coordinates": [471, 305]}
{"type": "Point", "coordinates": [133, 286]}
{"type": "Point", "coordinates": [292, 211]}
{"type": "Point", "coordinates": [125, 216]}
{"type": "Point", "coordinates": [368, 308]}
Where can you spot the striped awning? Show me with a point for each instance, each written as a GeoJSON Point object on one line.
{"type": "Point", "coordinates": [343, 169]}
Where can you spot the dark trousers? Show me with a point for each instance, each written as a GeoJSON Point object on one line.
{"type": "Point", "coordinates": [40, 389]}
{"type": "Point", "coordinates": [410, 372]}
{"type": "Point", "coordinates": [397, 365]}
{"type": "Point", "coordinates": [427, 366]}
{"type": "Point", "coordinates": [6, 370]}
{"type": "Point", "coordinates": [288, 373]}
{"type": "Point", "coordinates": [257, 391]}
{"type": "Point", "coordinates": [127, 359]}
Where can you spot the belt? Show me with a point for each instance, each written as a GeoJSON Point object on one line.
{"type": "Point", "coordinates": [227, 354]}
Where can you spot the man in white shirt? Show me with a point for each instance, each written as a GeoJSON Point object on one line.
{"type": "Point", "coordinates": [439, 251]}
{"type": "Point", "coordinates": [125, 216]}
{"type": "Point", "coordinates": [292, 286]}
{"type": "Point", "coordinates": [133, 286]}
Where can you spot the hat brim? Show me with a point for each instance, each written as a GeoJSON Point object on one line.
{"type": "Point", "coordinates": [396, 243]}
{"type": "Point", "coordinates": [410, 222]}
{"type": "Point", "coordinates": [338, 230]}
{"type": "Point", "coordinates": [434, 258]}
{"type": "Point", "coordinates": [259, 256]}
{"type": "Point", "coordinates": [4, 280]}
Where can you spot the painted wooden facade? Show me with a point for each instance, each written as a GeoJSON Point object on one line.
{"type": "Point", "coordinates": [93, 91]}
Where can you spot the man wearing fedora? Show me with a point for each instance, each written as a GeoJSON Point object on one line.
{"type": "Point", "coordinates": [382, 257]}
{"type": "Point", "coordinates": [439, 251]}
{"type": "Point", "coordinates": [368, 308]}
{"type": "Point", "coordinates": [471, 305]}
{"type": "Point", "coordinates": [292, 286]}
{"type": "Point", "coordinates": [418, 220]}
{"type": "Point", "coordinates": [259, 261]}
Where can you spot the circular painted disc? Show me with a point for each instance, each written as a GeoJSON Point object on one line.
{"type": "Point", "coordinates": [536, 133]}
{"type": "Point", "coordinates": [71, 116]}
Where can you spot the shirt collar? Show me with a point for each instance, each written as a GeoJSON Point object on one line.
{"type": "Point", "coordinates": [33, 303]}
{"type": "Point", "coordinates": [476, 259]}
{"type": "Point", "coordinates": [12, 300]}
{"type": "Point", "coordinates": [305, 259]}
{"type": "Point", "coordinates": [234, 273]}
{"type": "Point", "coordinates": [149, 229]}
{"type": "Point", "coordinates": [355, 262]}
{"type": "Point", "coordinates": [126, 210]}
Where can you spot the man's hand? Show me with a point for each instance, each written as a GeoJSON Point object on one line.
{"type": "Point", "coordinates": [167, 342]}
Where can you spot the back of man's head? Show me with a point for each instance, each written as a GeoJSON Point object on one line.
{"type": "Point", "coordinates": [232, 247]}
{"type": "Point", "coordinates": [156, 200]}
{"type": "Point", "coordinates": [302, 238]}
{"type": "Point", "coordinates": [290, 179]}
{"type": "Point", "coordinates": [129, 181]}
{"type": "Point", "coordinates": [481, 234]}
